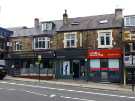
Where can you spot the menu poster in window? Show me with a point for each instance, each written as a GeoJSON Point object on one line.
{"type": "Point", "coordinates": [66, 68]}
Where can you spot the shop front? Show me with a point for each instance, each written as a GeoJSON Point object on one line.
{"type": "Point", "coordinates": [129, 67]}
{"type": "Point", "coordinates": [26, 63]}
{"type": "Point", "coordinates": [70, 63]}
{"type": "Point", "coordinates": [105, 65]}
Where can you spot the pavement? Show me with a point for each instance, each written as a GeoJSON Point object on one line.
{"type": "Point", "coordinates": [79, 83]}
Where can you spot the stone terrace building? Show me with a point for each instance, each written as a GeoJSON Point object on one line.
{"type": "Point", "coordinates": [4, 45]}
{"type": "Point", "coordinates": [28, 44]}
{"type": "Point", "coordinates": [90, 47]}
{"type": "Point", "coordinates": [129, 47]}
{"type": "Point", "coordinates": [21, 48]}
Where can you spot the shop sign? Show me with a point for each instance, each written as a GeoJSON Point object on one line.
{"type": "Point", "coordinates": [103, 69]}
{"type": "Point", "coordinates": [105, 53]}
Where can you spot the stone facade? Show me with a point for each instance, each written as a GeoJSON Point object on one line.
{"type": "Point", "coordinates": [26, 43]}
{"type": "Point", "coordinates": [72, 61]}
{"type": "Point", "coordinates": [89, 39]}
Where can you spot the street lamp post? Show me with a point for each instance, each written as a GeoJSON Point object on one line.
{"type": "Point", "coordinates": [39, 61]}
{"type": "Point", "coordinates": [132, 73]}
{"type": "Point", "coordinates": [87, 69]}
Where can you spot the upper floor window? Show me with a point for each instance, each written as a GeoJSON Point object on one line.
{"type": "Point", "coordinates": [70, 40]}
{"type": "Point", "coordinates": [129, 21]}
{"type": "Point", "coordinates": [105, 39]}
{"type": "Point", "coordinates": [41, 43]}
{"type": "Point", "coordinates": [46, 26]}
{"type": "Point", "coordinates": [18, 45]}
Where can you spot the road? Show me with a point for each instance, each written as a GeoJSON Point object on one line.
{"type": "Point", "coordinates": [11, 90]}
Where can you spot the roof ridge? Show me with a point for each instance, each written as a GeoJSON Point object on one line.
{"type": "Point", "coordinates": [91, 16]}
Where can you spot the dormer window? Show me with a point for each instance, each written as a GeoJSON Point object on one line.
{"type": "Point", "coordinates": [46, 26]}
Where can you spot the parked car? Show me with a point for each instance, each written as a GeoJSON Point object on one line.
{"type": "Point", "coordinates": [3, 71]}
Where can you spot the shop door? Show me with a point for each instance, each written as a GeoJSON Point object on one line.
{"type": "Point", "coordinates": [76, 69]}
{"type": "Point", "coordinates": [104, 76]}
{"type": "Point", "coordinates": [104, 69]}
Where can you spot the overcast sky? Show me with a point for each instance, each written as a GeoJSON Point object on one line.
{"type": "Point", "coordinates": [15, 13]}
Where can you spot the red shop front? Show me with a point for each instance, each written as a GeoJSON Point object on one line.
{"type": "Point", "coordinates": [105, 65]}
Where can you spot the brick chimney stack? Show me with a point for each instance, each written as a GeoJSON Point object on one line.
{"type": "Point", "coordinates": [36, 23]}
{"type": "Point", "coordinates": [118, 13]}
{"type": "Point", "coordinates": [65, 18]}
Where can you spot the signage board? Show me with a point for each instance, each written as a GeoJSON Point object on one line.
{"type": "Point", "coordinates": [105, 53]}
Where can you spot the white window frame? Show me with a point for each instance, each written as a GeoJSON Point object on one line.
{"type": "Point", "coordinates": [18, 43]}
{"type": "Point", "coordinates": [41, 39]}
{"type": "Point", "coordinates": [103, 33]}
{"type": "Point", "coordinates": [65, 40]}
{"type": "Point", "coordinates": [46, 26]}
{"type": "Point", "coordinates": [113, 63]}
{"type": "Point", "coordinates": [129, 20]}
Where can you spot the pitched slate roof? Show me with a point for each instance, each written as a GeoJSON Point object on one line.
{"type": "Point", "coordinates": [91, 22]}
{"type": "Point", "coordinates": [5, 32]}
{"type": "Point", "coordinates": [22, 31]}
{"type": "Point", "coordinates": [58, 24]}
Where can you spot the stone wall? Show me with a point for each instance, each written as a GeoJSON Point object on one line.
{"type": "Point", "coordinates": [89, 39]}
{"type": "Point", "coordinates": [26, 43]}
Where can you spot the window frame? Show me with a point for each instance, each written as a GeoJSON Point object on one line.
{"type": "Point", "coordinates": [18, 46]}
{"type": "Point", "coordinates": [70, 40]}
{"type": "Point", "coordinates": [45, 40]}
{"type": "Point", "coordinates": [129, 20]}
{"type": "Point", "coordinates": [46, 26]}
{"type": "Point", "coordinates": [103, 33]}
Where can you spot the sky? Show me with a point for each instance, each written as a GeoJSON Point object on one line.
{"type": "Point", "coordinates": [16, 13]}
